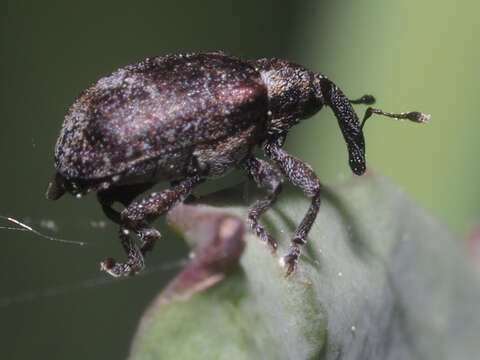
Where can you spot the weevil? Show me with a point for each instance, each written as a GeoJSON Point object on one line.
{"type": "Point", "coordinates": [186, 118]}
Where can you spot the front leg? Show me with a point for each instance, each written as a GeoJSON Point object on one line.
{"type": "Point", "coordinates": [301, 175]}
{"type": "Point", "coordinates": [136, 216]}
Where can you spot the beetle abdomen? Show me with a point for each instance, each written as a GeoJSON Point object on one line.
{"type": "Point", "coordinates": [160, 105]}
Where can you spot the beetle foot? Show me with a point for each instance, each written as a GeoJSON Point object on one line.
{"type": "Point", "coordinates": [134, 263]}
{"type": "Point", "coordinates": [291, 260]}
{"type": "Point", "coordinates": [118, 269]}
{"type": "Point", "coordinates": [263, 234]}
{"type": "Point", "coordinates": [271, 241]}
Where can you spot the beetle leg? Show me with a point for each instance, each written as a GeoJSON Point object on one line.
{"type": "Point", "coordinates": [135, 217]}
{"type": "Point", "coordinates": [124, 194]}
{"type": "Point", "coordinates": [134, 263]}
{"type": "Point", "coordinates": [157, 203]}
{"type": "Point", "coordinates": [137, 214]}
{"type": "Point", "coordinates": [301, 175]}
{"type": "Point", "coordinates": [264, 175]}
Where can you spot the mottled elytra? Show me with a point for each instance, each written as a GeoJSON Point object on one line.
{"type": "Point", "coordinates": [186, 118]}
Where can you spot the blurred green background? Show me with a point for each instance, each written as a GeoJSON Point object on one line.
{"type": "Point", "coordinates": [412, 55]}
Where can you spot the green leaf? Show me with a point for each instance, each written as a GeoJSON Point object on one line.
{"type": "Point", "coordinates": [379, 279]}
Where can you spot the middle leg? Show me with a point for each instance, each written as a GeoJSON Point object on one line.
{"type": "Point", "coordinates": [264, 175]}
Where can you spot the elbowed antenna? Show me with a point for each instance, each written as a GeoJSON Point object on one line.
{"type": "Point", "coordinates": [414, 116]}
{"type": "Point", "coordinates": [348, 122]}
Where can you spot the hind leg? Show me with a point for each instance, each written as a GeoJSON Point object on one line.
{"type": "Point", "coordinates": [135, 217]}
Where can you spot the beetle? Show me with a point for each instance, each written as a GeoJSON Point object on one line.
{"type": "Point", "coordinates": [186, 118]}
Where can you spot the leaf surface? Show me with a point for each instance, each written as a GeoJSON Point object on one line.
{"type": "Point", "coordinates": [379, 279]}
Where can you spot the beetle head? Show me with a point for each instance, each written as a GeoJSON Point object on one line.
{"type": "Point", "coordinates": [295, 93]}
